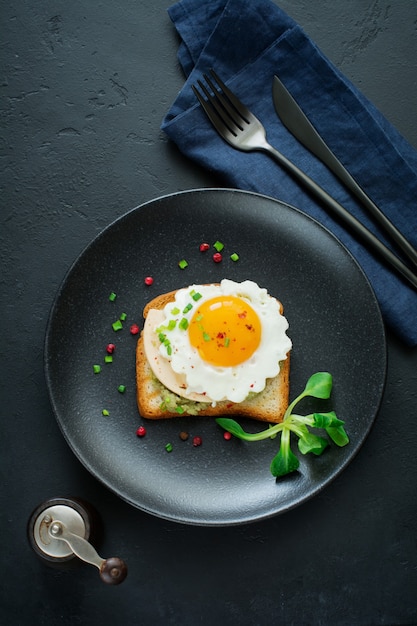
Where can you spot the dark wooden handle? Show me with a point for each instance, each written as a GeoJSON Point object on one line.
{"type": "Point", "coordinates": [113, 571]}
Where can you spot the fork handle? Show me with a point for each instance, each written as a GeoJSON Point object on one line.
{"type": "Point", "coordinates": [343, 214]}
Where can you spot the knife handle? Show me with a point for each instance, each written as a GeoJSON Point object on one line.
{"type": "Point", "coordinates": [294, 118]}
{"type": "Point", "coordinates": [343, 214]}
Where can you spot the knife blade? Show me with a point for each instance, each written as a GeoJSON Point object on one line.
{"type": "Point", "coordinates": [295, 120]}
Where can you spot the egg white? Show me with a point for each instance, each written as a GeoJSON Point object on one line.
{"type": "Point", "coordinates": [178, 365]}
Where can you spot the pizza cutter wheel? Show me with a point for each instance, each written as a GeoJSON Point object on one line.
{"type": "Point", "coordinates": [59, 530]}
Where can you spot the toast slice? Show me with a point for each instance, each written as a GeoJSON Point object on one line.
{"type": "Point", "coordinates": [155, 401]}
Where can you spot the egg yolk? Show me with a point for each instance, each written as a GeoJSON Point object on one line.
{"type": "Point", "coordinates": [225, 330]}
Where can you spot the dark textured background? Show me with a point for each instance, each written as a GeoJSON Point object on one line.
{"type": "Point", "coordinates": [84, 89]}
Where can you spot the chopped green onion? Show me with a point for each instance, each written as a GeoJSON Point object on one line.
{"type": "Point", "coordinates": [105, 412]}
{"type": "Point", "coordinates": [112, 296]}
{"type": "Point", "coordinates": [227, 342]}
{"type": "Point", "coordinates": [183, 264]}
{"type": "Point", "coordinates": [108, 358]}
{"type": "Point", "coordinates": [179, 409]}
{"type": "Point", "coordinates": [96, 369]}
{"type": "Point", "coordinates": [168, 447]}
{"type": "Point", "coordinates": [218, 245]}
{"type": "Point", "coordinates": [175, 311]}
{"type": "Point", "coordinates": [206, 337]}
{"type": "Point", "coordinates": [171, 324]}
{"type": "Point", "coordinates": [196, 296]}
{"type": "Point", "coordinates": [121, 388]}
{"type": "Point", "coordinates": [183, 323]}
{"type": "Point", "coordinates": [123, 317]}
{"type": "Point", "coordinates": [234, 256]}
{"type": "Point", "coordinates": [117, 325]}
{"type": "Point", "coordinates": [187, 308]}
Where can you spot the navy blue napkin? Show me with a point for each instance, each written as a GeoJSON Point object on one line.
{"type": "Point", "coordinates": [247, 42]}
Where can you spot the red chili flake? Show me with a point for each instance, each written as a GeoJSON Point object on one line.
{"type": "Point", "coordinates": [227, 435]}
{"type": "Point", "coordinates": [217, 257]}
{"type": "Point", "coordinates": [197, 441]}
{"type": "Point", "coordinates": [204, 247]}
{"type": "Point", "coordinates": [110, 348]}
{"type": "Point", "coordinates": [134, 329]}
{"type": "Point", "coordinates": [148, 280]}
{"type": "Point", "coordinates": [141, 431]}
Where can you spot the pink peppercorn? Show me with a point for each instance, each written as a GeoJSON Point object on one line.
{"type": "Point", "coordinates": [227, 435]}
{"type": "Point", "coordinates": [110, 348]}
{"type": "Point", "coordinates": [204, 247]}
{"type": "Point", "coordinates": [134, 329]}
{"type": "Point", "coordinates": [197, 441]}
{"type": "Point", "coordinates": [217, 257]}
{"type": "Point", "coordinates": [148, 280]}
{"type": "Point", "coordinates": [141, 431]}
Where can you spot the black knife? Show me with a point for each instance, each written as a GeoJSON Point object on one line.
{"type": "Point", "coordinates": [295, 120]}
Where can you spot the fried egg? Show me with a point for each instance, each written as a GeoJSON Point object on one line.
{"type": "Point", "coordinates": [217, 342]}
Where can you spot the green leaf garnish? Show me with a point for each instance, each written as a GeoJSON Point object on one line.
{"type": "Point", "coordinates": [285, 461]}
{"type": "Point", "coordinates": [319, 386]}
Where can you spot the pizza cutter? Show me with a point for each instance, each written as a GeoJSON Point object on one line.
{"type": "Point", "coordinates": [59, 530]}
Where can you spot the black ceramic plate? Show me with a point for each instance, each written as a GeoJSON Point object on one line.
{"type": "Point", "coordinates": [335, 326]}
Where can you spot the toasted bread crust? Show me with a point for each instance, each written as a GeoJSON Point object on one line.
{"type": "Point", "coordinates": [159, 302]}
{"type": "Point", "coordinates": [268, 406]}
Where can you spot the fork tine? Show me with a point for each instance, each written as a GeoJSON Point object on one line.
{"type": "Point", "coordinates": [238, 105]}
{"type": "Point", "coordinates": [225, 103]}
{"type": "Point", "coordinates": [214, 111]}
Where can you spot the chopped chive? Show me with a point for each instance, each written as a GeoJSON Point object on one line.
{"type": "Point", "coordinates": [227, 342]}
{"type": "Point", "coordinates": [168, 347]}
{"type": "Point", "coordinates": [234, 256]}
{"type": "Point", "coordinates": [105, 412]}
{"type": "Point", "coordinates": [117, 325]}
{"type": "Point", "coordinates": [179, 409]}
{"type": "Point", "coordinates": [183, 323]}
{"type": "Point", "coordinates": [218, 245]}
{"type": "Point", "coordinates": [196, 296]}
{"type": "Point", "coordinates": [121, 388]}
{"type": "Point", "coordinates": [182, 264]}
{"type": "Point", "coordinates": [187, 308]}
{"type": "Point", "coordinates": [175, 311]}
{"type": "Point", "coordinates": [123, 317]}
{"type": "Point", "coordinates": [171, 324]}
{"type": "Point", "coordinates": [96, 369]}
{"type": "Point", "coordinates": [108, 358]}
{"type": "Point", "coordinates": [112, 296]}
{"type": "Point", "coordinates": [206, 337]}
{"type": "Point", "coordinates": [199, 318]}
{"type": "Point", "coordinates": [162, 337]}
{"type": "Point", "coordinates": [168, 447]}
